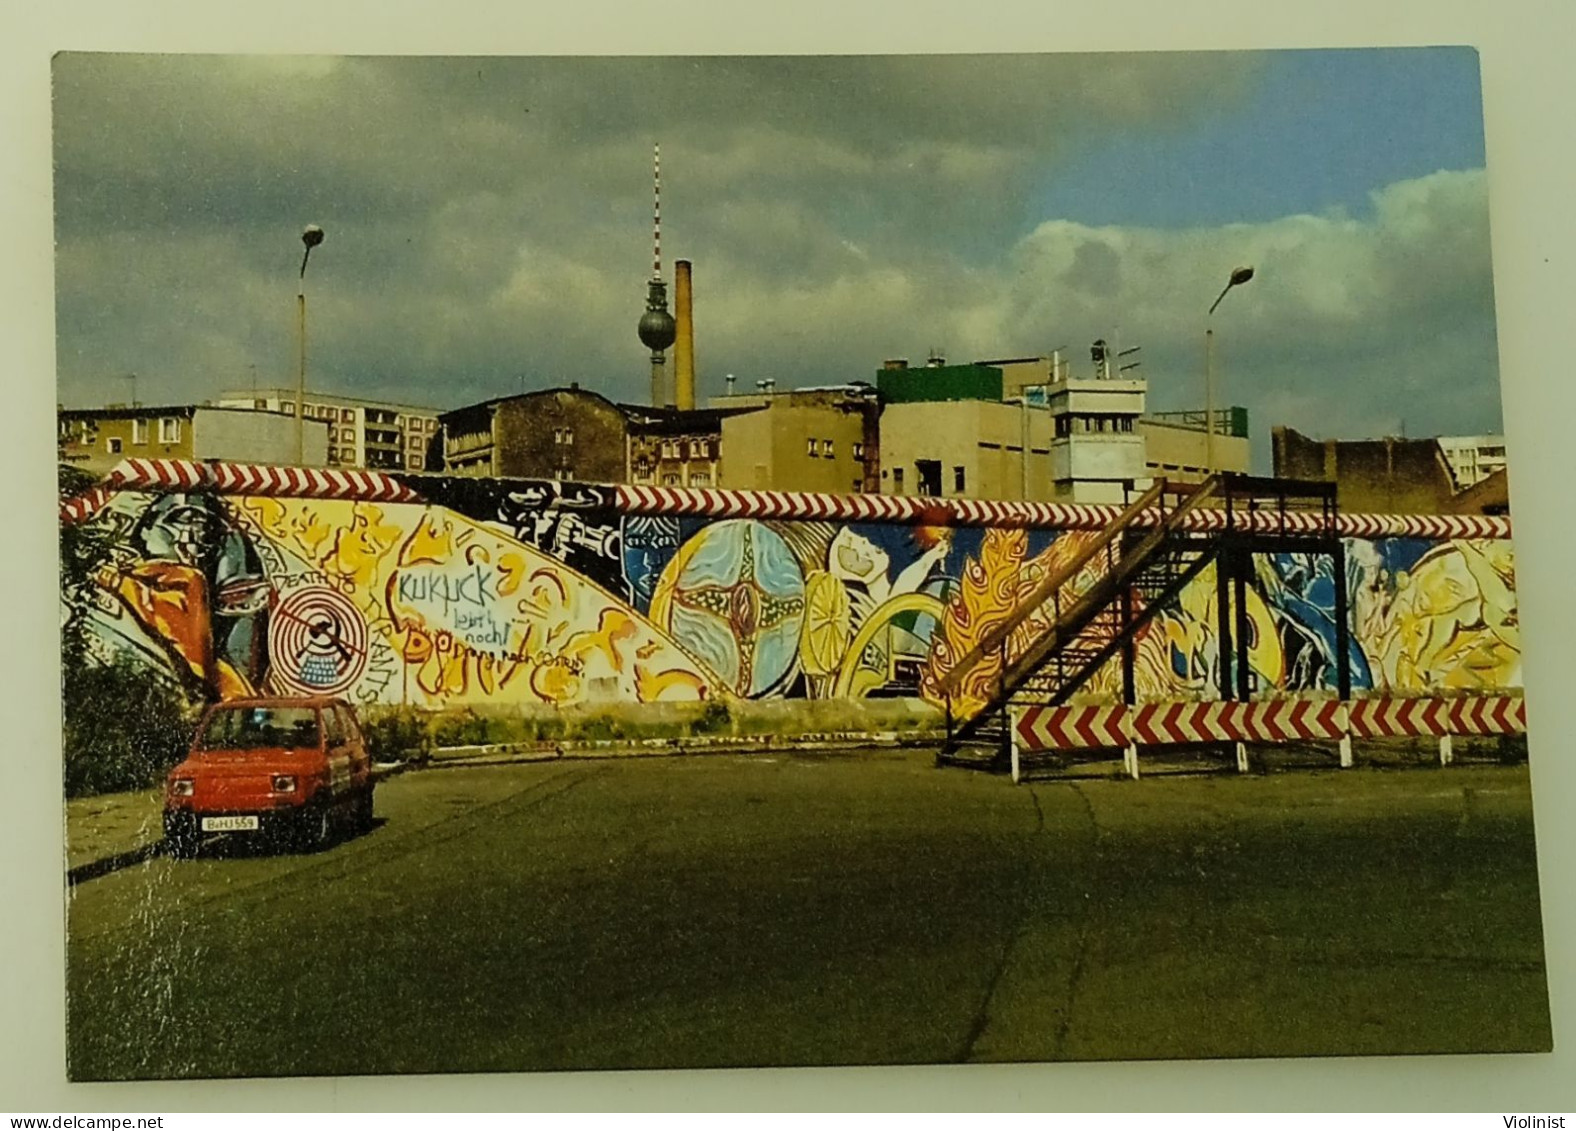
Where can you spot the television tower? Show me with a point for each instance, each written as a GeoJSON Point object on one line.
{"type": "Point", "coordinates": [657, 328]}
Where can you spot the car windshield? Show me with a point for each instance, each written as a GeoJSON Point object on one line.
{"type": "Point", "coordinates": [253, 728]}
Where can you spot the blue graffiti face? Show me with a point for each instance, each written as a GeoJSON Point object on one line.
{"type": "Point", "coordinates": [650, 541]}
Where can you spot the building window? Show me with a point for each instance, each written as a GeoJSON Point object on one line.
{"type": "Point", "coordinates": [260, 404]}
{"type": "Point", "coordinates": [700, 479]}
{"type": "Point", "coordinates": [826, 448]}
{"type": "Point", "coordinates": [928, 473]}
{"type": "Point", "coordinates": [347, 414]}
{"type": "Point", "coordinates": [859, 486]}
{"type": "Point", "coordinates": [169, 430]}
{"type": "Point", "coordinates": [347, 435]}
{"type": "Point", "coordinates": [810, 449]}
{"type": "Point", "coordinates": [670, 450]}
{"type": "Point", "coordinates": [333, 455]}
{"type": "Point", "coordinates": [413, 463]}
{"type": "Point", "coordinates": [671, 479]}
{"type": "Point", "coordinates": [957, 480]}
{"type": "Point", "coordinates": [563, 435]}
{"type": "Point", "coordinates": [139, 431]}
{"type": "Point", "coordinates": [432, 426]}
{"type": "Point", "coordinates": [112, 445]}
{"type": "Point", "coordinates": [897, 480]}
{"type": "Point", "coordinates": [859, 451]}
{"type": "Point", "coordinates": [287, 406]}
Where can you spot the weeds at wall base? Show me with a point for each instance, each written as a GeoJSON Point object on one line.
{"type": "Point", "coordinates": [402, 733]}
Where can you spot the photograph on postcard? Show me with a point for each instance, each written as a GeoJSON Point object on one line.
{"type": "Point", "coordinates": [656, 562]}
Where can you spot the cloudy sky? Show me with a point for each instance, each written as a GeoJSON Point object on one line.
{"type": "Point", "coordinates": [488, 223]}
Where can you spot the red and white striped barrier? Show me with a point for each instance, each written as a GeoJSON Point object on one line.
{"type": "Point", "coordinates": [1280, 720]}
{"type": "Point", "coordinates": [84, 506]}
{"type": "Point", "coordinates": [238, 479]}
{"type": "Point", "coordinates": [1062, 728]}
{"type": "Point", "coordinates": [723, 503]}
{"type": "Point", "coordinates": [1471, 715]}
{"type": "Point", "coordinates": [373, 486]}
{"type": "Point", "coordinates": [1036, 729]}
{"type": "Point", "coordinates": [260, 479]}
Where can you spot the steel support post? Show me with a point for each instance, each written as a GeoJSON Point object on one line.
{"type": "Point", "coordinates": [1343, 650]}
{"type": "Point", "coordinates": [1223, 561]}
{"type": "Point", "coordinates": [1243, 567]}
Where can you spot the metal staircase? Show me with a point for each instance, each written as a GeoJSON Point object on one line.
{"type": "Point", "coordinates": [1150, 553]}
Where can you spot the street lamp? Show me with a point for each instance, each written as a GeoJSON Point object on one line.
{"type": "Point", "coordinates": [1238, 277]}
{"type": "Point", "coordinates": [311, 237]}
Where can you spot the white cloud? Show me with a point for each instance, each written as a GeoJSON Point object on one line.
{"type": "Point", "coordinates": [485, 227]}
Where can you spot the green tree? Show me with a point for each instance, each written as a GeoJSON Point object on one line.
{"type": "Point", "coordinates": [124, 724]}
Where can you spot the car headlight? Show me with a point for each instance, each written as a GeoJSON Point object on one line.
{"type": "Point", "coordinates": [284, 783]}
{"type": "Point", "coordinates": [181, 787]}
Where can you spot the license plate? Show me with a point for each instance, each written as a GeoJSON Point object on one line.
{"type": "Point", "coordinates": [228, 824]}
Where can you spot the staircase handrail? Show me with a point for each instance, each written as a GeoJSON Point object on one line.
{"type": "Point", "coordinates": [1048, 588]}
{"type": "Point", "coordinates": [1105, 589]}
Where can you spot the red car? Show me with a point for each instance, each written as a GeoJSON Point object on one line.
{"type": "Point", "coordinates": [285, 769]}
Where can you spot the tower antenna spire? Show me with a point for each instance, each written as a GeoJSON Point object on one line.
{"type": "Point", "coordinates": [657, 328]}
{"type": "Point", "coordinates": [656, 210]}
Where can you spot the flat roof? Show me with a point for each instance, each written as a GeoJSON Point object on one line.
{"type": "Point", "coordinates": [342, 398]}
{"type": "Point", "coordinates": [150, 411]}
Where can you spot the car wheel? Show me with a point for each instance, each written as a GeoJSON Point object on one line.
{"type": "Point", "coordinates": [316, 829]}
{"type": "Point", "coordinates": [364, 811]}
{"type": "Point", "coordinates": [180, 840]}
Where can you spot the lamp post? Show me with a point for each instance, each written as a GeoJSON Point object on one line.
{"type": "Point", "coordinates": [311, 237]}
{"type": "Point", "coordinates": [1238, 277]}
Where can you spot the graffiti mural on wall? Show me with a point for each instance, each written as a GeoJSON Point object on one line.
{"type": "Point", "coordinates": [184, 591]}
{"type": "Point", "coordinates": [511, 592]}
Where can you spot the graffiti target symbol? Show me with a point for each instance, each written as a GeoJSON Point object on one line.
{"type": "Point", "coordinates": [317, 642]}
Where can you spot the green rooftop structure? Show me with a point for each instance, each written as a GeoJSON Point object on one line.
{"type": "Point", "coordinates": [898, 384]}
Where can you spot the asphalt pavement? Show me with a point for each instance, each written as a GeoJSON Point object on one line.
{"type": "Point", "coordinates": [834, 909]}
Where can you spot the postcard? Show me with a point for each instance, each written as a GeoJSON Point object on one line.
{"type": "Point", "coordinates": [651, 562]}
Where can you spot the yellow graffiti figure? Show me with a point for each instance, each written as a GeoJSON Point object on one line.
{"type": "Point", "coordinates": [993, 586]}
{"type": "Point", "coordinates": [429, 542]}
{"type": "Point", "coordinates": [303, 526]}
{"type": "Point", "coordinates": [359, 547]}
{"type": "Point", "coordinates": [1176, 656]}
{"type": "Point", "coordinates": [1451, 623]}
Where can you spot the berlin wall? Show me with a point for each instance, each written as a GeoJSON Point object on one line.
{"type": "Point", "coordinates": [439, 592]}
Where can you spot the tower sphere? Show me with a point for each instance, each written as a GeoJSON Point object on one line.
{"type": "Point", "coordinates": [657, 329]}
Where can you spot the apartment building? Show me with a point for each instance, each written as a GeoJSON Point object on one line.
{"type": "Point", "coordinates": [369, 434]}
